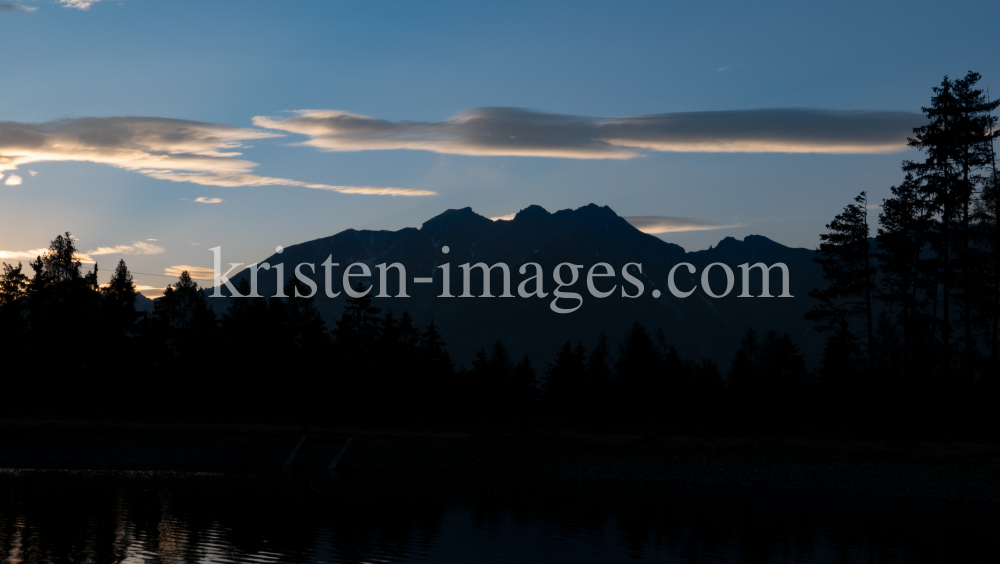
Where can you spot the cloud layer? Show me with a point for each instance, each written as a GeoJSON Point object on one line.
{"type": "Point", "coordinates": [520, 132]}
{"type": "Point", "coordinates": [654, 224]}
{"type": "Point", "coordinates": [167, 149]}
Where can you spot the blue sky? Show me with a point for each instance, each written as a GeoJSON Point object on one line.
{"type": "Point", "coordinates": [225, 62]}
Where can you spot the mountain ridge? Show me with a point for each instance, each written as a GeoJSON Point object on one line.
{"type": "Point", "coordinates": [699, 326]}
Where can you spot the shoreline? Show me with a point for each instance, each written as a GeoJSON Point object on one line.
{"type": "Point", "coordinates": [918, 470]}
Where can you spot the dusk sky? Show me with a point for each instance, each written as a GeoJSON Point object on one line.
{"type": "Point", "coordinates": [154, 130]}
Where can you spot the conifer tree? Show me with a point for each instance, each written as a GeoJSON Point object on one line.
{"type": "Point", "coordinates": [638, 374]}
{"type": "Point", "coordinates": [565, 380]}
{"type": "Point", "coordinates": [14, 321]}
{"type": "Point", "coordinates": [359, 328]}
{"type": "Point", "coordinates": [13, 285]}
{"type": "Point", "coordinates": [523, 391]}
{"type": "Point", "coordinates": [185, 325]}
{"type": "Point", "coordinates": [907, 279]}
{"type": "Point", "coordinates": [956, 144]}
{"type": "Point", "coordinates": [119, 298]}
{"type": "Point", "coordinates": [846, 257]}
{"type": "Point", "coordinates": [743, 372]}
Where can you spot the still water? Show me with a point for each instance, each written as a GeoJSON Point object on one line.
{"type": "Point", "coordinates": [60, 516]}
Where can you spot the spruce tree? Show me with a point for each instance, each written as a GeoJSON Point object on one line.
{"type": "Point", "coordinates": [907, 280]}
{"type": "Point", "coordinates": [119, 298]}
{"type": "Point", "coordinates": [846, 257]}
{"type": "Point", "coordinates": [955, 142]}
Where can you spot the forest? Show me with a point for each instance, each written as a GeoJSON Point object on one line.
{"type": "Point", "coordinates": [911, 310]}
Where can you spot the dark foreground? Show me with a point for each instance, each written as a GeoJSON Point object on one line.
{"type": "Point", "coordinates": [62, 516]}
{"type": "Point", "coordinates": [927, 471]}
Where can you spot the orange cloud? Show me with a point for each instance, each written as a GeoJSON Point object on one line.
{"type": "Point", "coordinates": [196, 272]}
{"type": "Point", "coordinates": [654, 224]}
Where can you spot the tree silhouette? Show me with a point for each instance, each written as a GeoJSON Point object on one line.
{"type": "Point", "coordinates": [638, 375]}
{"type": "Point", "coordinates": [359, 329]}
{"type": "Point", "coordinates": [14, 331]}
{"type": "Point", "coordinates": [768, 379]}
{"type": "Point", "coordinates": [956, 144]}
{"type": "Point", "coordinates": [987, 218]}
{"type": "Point", "coordinates": [841, 376]}
{"type": "Point", "coordinates": [60, 263]}
{"type": "Point", "coordinates": [119, 298]}
{"type": "Point", "coordinates": [183, 330]}
{"type": "Point", "coordinates": [439, 392]}
{"type": "Point", "coordinates": [356, 341]}
{"type": "Point", "coordinates": [63, 302]}
{"type": "Point", "coordinates": [398, 382]}
{"type": "Point", "coordinates": [13, 285]}
{"type": "Point", "coordinates": [565, 381]}
{"type": "Point", "coordinates": [522, 389]}
{"type": "Point", "coordinates": [846, 257]}
{"type": "Point", "coordinates": [906, 277]}
{"type": "Point", "coordinates": [253, 344]}
{"type": "Point", "coordinates": [600, 382]}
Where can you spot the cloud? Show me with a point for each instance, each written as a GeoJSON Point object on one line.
{"type": "Point", "coordinates": [149, 291]}
{"type": "Point", "coordinates": [35, 253]}
{"type": "Point", "coordinates": [204, 200]}
{"type": "Point", "coordinates": [137, 248]}
{"type": "Point", "coordinates": [653, 224]}
{"type": "Point", "coordinates": [22, 255]}
{"type": "Point", "coordinates": [10, 7]}
{"type": "Point", "coordinates": [33, 172]}
{"type": "Point", "coordinates": [231, 180]}
{"type": "Point", "coordinates": [195, 272]}
{"type": "Point", "coordinates": [521, 132]}
{"type": "Point", "coordinates": [507, 217]}
{"type": "Point", "coordinates": [720, 69]}
{"type": "Point", "coordinates": [162, 148]}
{"type": "Point", "coordinates": [13, 180]}
{"type": "Point", "coordinates": [78, 4]}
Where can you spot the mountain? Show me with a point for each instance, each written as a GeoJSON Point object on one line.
{"type": "Point", "coordinates": [699, 326]}
{"type": "Point", "coordinates": [143, 304]}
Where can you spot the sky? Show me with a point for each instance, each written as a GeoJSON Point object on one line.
{"type": "Point", "coordinates": [154, 130]}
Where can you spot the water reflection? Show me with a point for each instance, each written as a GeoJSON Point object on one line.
{"type": "Point", "coordinates": [51, 516]}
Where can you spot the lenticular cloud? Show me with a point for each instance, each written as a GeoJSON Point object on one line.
{"type": "Point", "coordinates": [527, 133]}
{"type": "Point", "coordinates": [167, 149]}
{"type": "Point", "coordinates": [654, 224]}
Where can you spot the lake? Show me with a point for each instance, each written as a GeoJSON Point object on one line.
{"type": "Point", "coordinates": [133, 517]}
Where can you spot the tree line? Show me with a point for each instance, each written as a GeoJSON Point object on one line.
{"type": "Point", "coordinates": [74, 348]}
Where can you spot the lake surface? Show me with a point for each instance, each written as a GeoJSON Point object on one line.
{"type": "Point", "coordinates": [63, 516]}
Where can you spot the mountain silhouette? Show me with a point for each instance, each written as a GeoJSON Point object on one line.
{"type": "Point", "coordinates": [698, 326]}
